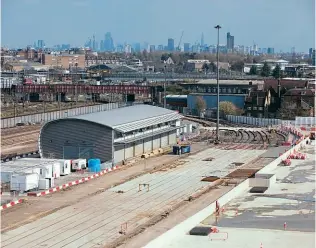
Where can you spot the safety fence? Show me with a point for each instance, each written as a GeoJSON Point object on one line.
{"type": "Point", "coordinates": [304, 123]}
{"type": "Point", "coordinates": [49, 116]}
{"type": "Point", "coordinates": [254, 121]}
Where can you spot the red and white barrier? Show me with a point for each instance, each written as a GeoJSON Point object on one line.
{"type": "Point", "coordinates": [82, 180]}
{"type": "Point", "coordinates": [10, 204]}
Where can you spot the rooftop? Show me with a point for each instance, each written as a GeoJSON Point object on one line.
{"type": "Point", "coordinates": [228, 82]}
{"type": "Point", "coordinates": [130, 118]}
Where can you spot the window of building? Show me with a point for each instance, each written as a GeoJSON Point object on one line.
{"type": "Point", "coordinates": [239, 91]}
{"type": "Point", "coordinates": [254, 108]}
{"type": "Point", "coordinates": [229, 90]}
{"type": "Point", "coordinates": [260, 108]}
{"type": "Point", "coordinates": [234, 90]}
{"type": "Point", "coordinates": [224, 90]}
{"type": "Point", "coordinates": [259, 115]}
{"type": "Point", "coordinates": [248, 108]}
{"type": "Point", "coordinates": [248, 114]}
{"type": "Point", "coordinates": [220, 90]}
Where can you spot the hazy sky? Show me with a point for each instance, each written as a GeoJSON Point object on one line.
{"type": "Point", "coordinates": [281, 24]}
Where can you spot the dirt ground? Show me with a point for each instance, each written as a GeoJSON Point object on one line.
{"type": "Point", "coordinates": [19, 140]}
{"type": "Point", "coordinates": [37, 207]}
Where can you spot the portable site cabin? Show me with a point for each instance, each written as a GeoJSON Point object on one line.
{"type": "Point", "coordinates": [24, 182]}
{"type": "Point", "coordinates": [64, 164]}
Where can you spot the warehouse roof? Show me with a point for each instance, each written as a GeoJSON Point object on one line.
{"type": "Point", "coordinates": [131, 118]}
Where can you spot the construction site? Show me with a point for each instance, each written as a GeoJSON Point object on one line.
{"type": "Point", "coordinates": [134, 204]}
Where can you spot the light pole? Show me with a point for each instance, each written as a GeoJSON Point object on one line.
{"type": "Point", "coordinates": [217, 80]}
{"type": "Point", "coordinates": [164, 89]}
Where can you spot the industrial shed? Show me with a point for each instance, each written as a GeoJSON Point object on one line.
{"type": "Point", "coordinates": [114, 135]}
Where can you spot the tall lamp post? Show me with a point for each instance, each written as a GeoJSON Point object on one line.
{"type": "Point", "coordinates": [164, 88]}
{"type": "Point", "coordinates": [218, 27]}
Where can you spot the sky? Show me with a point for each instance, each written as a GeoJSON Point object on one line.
{"type": "Point", "coordinates": [281, 24]}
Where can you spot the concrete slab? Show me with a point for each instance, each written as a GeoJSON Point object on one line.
{"type": "Point", "coordinates": [257, 220]}
{"type": "Point", "coordinates": [96, 221]}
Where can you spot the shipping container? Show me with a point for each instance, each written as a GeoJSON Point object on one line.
{"type": "Point", "coordinates": [24, 182]}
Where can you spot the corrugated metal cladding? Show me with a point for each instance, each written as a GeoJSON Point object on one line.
{"type": "Point", "coordinates": [211, 100]}
{"type": "Point", "coordinates": [71, 139]}
{"type": "Point", "coordinates": [92, 135]}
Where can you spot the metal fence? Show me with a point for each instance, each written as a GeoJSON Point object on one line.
{"type": "Point", "coordinates": [260, 122]}
{"type": "Point", "coordinates": [300, 122]}
{"type": "Point", "coordinates": [49, 116]}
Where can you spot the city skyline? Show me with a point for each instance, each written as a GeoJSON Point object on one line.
{"type": "Point", "coordinates": [78, 20]}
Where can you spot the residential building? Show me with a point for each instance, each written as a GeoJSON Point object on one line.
{"type": "Point", "coordinates": [170, 44]}
{"type": "Point", "coordinates": [169, 61]}
{"type": "Point", "coordinates": [64, 60]}
{"type": "Point", "coordinates": [230, 42]}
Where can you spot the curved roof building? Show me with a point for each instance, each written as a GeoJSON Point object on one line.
{"type": "Point", "coordinates": [113, 135]}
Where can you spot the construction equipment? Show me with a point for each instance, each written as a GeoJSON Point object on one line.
{"type": "Point", "coordinates": [178, 47]}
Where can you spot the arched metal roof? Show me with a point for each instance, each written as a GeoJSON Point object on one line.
{"type": "Point", "coordinates": [131, 118]}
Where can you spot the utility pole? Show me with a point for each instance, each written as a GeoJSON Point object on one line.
{"type": "Point", "coordinates": [218, 27]}
{"type": "Point", "coordinates": [164, 89]}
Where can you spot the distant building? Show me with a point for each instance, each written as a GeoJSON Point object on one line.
{"type": "Point", "coordinates": [186, 47]}
{"type": "Point", "coordinates": [136, 47]}
{"type": "Point", "coordinates": [108, 42]}
{"type": "Point", "coordinates": [152, 48]}
{"type": "Point", "coordinates": [310, 53]}
{"type": "Point", "coordinates": [128, 49]}
{"type": "Point", "coordinates": [230, 42]}
{"type": "Point", "coordinates": [270, 50]}
{"type": "Point", "coordinates": [202, 40]}
{"type": "Point", "coordinates": [169, 61]}
{"type": "Point", "coordinates": [65, 61]}
{"type": "Point", "coordinates": [272, 63]}
{"type": "Point", "coordinates": [160, 48]}
{"type": "Point", "coordinates": [170, 44]}
{"type": "Point", "coordinates": [40, 44]}
{"type": "Point", "coordinates": [313, 57]}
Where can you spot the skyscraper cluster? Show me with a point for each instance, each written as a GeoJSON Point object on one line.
{"type": "Point", "coordinates": [105, 45]}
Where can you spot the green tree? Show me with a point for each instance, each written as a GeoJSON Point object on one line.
{"type": "Point", "coordinates": [213, 67]}
{"type": "Point", "coordinates": [237, 66]}
{"type": "Point", "coordinates": [266, 70]}
{"type": "Point", "coordinates": [205, 67]}
{"type": "Point", "coordinates": [277, 72]}
{"type": "Point", "coordinates": [253, 70]}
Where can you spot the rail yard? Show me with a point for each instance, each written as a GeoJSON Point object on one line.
{"type": "Point", "coordinates": [126, 207]}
